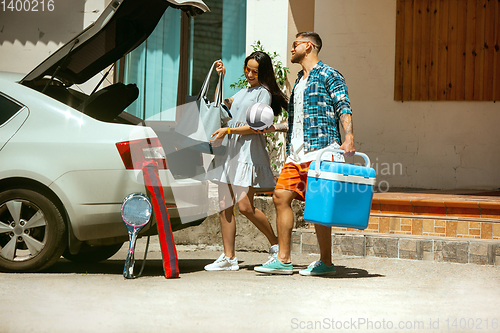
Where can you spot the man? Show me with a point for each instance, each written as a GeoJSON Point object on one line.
{"type": "Point", "coordinates": [319, 100]}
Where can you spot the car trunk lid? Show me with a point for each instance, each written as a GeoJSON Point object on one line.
{"type": "Point", "coordinates": [122, 27]}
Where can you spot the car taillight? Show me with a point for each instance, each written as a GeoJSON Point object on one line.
{"type": "Point", "coordinates": [134, 153]}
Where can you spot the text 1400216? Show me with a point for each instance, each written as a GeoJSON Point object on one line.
{"type": "Point", "coordinates": [27, 5]}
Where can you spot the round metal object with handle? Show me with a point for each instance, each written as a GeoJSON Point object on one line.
{"type": "Point", "coordinates": [136, 213]}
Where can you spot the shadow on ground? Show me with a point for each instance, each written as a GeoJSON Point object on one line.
{"type": "Point", "coordinates": [154, 267]}
{"type": "Point", "coordinates": [341, 272]}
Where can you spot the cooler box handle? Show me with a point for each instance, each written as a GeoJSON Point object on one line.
{"type": "Point", "coordinates": [340, 151]}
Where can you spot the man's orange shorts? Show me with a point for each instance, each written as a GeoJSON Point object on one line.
{"type": "Point", "coordinates": [293, 177]}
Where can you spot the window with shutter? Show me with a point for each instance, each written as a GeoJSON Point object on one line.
{"type": "Point", "coordinates": [447, 50]}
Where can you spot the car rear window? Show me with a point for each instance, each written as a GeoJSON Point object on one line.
{"type": "Point", "coordinates": [8, 109]}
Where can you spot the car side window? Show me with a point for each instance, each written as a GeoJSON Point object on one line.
{"type": "Point", "coordinates": [8, 108]}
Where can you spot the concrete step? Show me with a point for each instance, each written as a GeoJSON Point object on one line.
{"type": "Point", "coordinates": [460, 214]}
{"type": "Point", "coordinates": [471, 204]}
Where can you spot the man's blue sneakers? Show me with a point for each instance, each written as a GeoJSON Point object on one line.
{"type": "Point", "coordinates": [274, 266]}
{"type": "Point", "coordinates": [318, 268]}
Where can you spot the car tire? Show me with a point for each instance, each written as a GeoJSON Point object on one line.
{"type": "Point", "coordinates": [32, 231]}
{"type": "Point", "coordinates": [92, 254]}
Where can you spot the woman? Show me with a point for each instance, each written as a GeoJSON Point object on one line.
{"type": "Point", "coordinates": [245, 167]}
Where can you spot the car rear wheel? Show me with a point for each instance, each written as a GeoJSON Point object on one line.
{"type": "Point", "coordinates": [92, 254]}
{"type": "Point", "coordinates": [32, 231]}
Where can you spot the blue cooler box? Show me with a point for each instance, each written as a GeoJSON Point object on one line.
{"type": "Point", "coordinates": [339, 194]}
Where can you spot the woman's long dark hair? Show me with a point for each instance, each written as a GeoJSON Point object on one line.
{"type": "Point", "coordinates": [268, 80]}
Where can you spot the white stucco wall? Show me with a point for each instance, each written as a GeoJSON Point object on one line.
{"type": "Point", "coordinates": [441, 145]}
{"type": "Point", "coordinates": [267, 21]}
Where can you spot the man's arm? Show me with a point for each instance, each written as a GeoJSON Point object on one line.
{"type": "Point", "coordinates": [337, 88]}
{"type": "Point", "coordinates": [348, 145]}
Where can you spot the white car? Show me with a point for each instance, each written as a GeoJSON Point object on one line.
{"type": "Point", "coordinates": [67, 160]}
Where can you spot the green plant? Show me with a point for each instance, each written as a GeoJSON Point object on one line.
{"type": "Point", "coordinates": [280, 71]}
{"type": "Point", "coordinates": [273, 142]}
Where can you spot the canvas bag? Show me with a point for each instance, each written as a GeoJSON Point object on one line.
{"type": "Point", "coordinates": [202, 118]}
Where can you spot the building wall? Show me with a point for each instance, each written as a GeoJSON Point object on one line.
{"type": "Point", "coordinates": [300, 18]}
{"type": "Point", "coordinates": [267, 21]}
{"type": "Point", "coordinates": [27, 38]}
{"type": "Point", "coordinates": [433, 145]}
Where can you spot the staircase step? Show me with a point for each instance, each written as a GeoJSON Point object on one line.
{"type": "Point", "coordinates": [462, 214]}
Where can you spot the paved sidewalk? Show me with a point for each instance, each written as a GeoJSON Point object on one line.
{"type": "Point", "coordinates": [368, 294]}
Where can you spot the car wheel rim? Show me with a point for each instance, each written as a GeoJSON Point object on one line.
{"type": "Point", "coordinates": [23, 230]}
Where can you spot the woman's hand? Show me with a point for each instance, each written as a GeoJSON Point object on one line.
{"type": "Point", "coordinates": [218, 136]}
{"type": "Point", "coordinates": [219, 67]}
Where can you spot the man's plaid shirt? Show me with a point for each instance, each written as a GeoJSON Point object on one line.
{"type": "Point", "coordinates": [325, 99]}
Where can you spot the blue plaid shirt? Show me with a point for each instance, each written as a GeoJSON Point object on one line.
{"type": "Point", "coordinates": [325, 99]}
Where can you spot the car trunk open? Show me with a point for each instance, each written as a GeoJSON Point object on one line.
{"type": "Point", "coordinates": [122, 27]}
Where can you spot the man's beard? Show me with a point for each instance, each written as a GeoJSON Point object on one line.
{"type": "Point", "coordinates": [297, 58]}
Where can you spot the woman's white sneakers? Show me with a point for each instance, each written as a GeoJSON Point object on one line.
{"type": "Point", "coordinates": [223, 263]}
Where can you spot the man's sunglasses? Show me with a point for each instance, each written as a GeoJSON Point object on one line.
{"type": "Point", "coordinates": [297, 43]}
